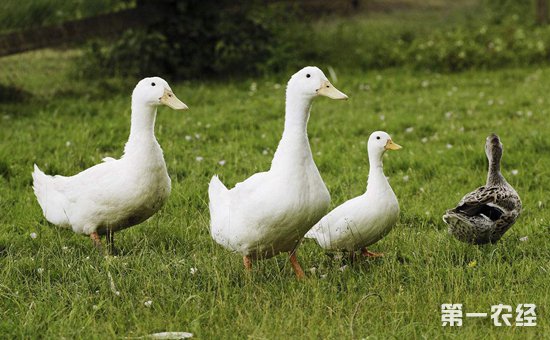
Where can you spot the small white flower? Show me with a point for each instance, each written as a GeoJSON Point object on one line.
{"type": "Point", "coordinates": [148, 303]}
{"type": "Point", "coordinates": [312, 270]}
{"type": "Point", "coordinates": [425, 83]}
{"type": "Point", "coordinates": [324, 276]}
{"type": "Point", "coordinates": [97, 291]}
{"type": "Point", "coordinates": [524, 238]}
{"type": "Point", "coordinates": [33, 235]}
{"type": "Point", "coordinates": [540, 204]}
{"type": "Point", "coordinates": [264, 152]}
{"type": "Point", "coordinates": [364, 87]}
{"type": "Point", "coordinates": [490, 102]}
{"type": "Point", "coordinates": [409, 129]}
{"type": "Point", "coordinates": [405, 178]}
{"type": "Point", "coordinates": [193, 270]}
{"type": "Point", "coordinates": [263, 135]}
{"type": "Point", "coordinates": [197, 136]}
{"type": "Point", "coordinates": [40, 270]}
{"type": "Point", "coordinates": [68, 143]}
{"type": "Point", "coordinates": [253, 87]}
{"type": "Point", "coordinates": [117, 293]}
{"type": "Point", "coordinates": [515, 172]}
{"type": "Point", "coordinates": [344, 267]}
{"type": "Point", "coordinates": [87, 258]}
{"type": "Point", "coordinates": [95, 307]}
{"type": "Point", "coordinates": [199, 159]}
{"type": "Point", "coordinates": [64, 248]}
{"type": "Point", "coordinates": [449, 146]}
{"type": "Point", "coordinates": [424, 140]}
{"type": "Point", "coordinates": [448, 115]}
{"type": "Point", "coordinates": [222, 162]}
{"type": "Point", "coordinates": [188, 138]}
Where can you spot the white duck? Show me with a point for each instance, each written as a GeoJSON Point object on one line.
{"type": "Point", "coordinates": [363, 220]}
{"type": "Point", "coordinates": [117, 193]}
{"type": "Point", "coordinates": [270, 212]}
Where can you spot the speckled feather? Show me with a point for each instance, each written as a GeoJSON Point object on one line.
{"type": "Point", "coordinates": [484, 215]}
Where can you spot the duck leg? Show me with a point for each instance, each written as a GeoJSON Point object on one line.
{"type": "Point", "coordinates": [352, 257]}
{"type": "Point", "coordinates": [111, 243]}
{"type": "Point", "coordinates": [367, 253]}
{"type": "Point", "coordinates": [96, 240]}
{"type": "Point", "coordinates": [247, 263]}
{"type": "Point", "coordinates": [296, 265]}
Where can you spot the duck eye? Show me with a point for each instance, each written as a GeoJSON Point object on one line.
{"type": "Point", "coordinates": [377, 137]}
{"type": "Point", "coordinates": [308, 75]}
{"type": "Point", "coordinates": [153, 84]}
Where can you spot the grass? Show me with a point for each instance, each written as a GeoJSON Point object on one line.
{"type": "Point", "coordinates": [57, 285]}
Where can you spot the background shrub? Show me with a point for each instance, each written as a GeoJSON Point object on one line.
{"type": "Point", "coordinates": [196, 40]}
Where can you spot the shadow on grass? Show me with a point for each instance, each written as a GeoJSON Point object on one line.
{"type": "Point", "coordinates": [13, 94]}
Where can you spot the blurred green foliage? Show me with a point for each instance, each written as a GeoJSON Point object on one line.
{"type": "Point", "coordinates": [205, 38]}
{"type": "Point", "coordinates": [22, 14]}
{"type": "Point", "coordinates": [446, 49]}
{"type": "Point", "coordinates": [200, 38]}
{"type": "Point", "coordinates": [502, 11]}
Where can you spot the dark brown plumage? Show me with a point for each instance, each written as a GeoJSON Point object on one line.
{"type": "Point", "coordinates": [485, 214]}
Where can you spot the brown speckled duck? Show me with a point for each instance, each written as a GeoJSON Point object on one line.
{"type": "Point", "coordinates": [485, 214]}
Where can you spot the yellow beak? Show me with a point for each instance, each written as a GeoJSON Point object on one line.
{"type": "Point", "coordinates": [169, 99]}
{"type": "Point", "coordinates": [330, 91]}
{"type": "Point", "coordinates": [390, 145]}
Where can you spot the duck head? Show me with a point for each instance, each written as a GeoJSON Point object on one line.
{"type": "Point", "coordinates": [493, 149]}
{"type": "Point", "coordinates": [379, 142]}
{"type": "Point", "coordinates": [311, 82]}
{"type": "Point", "coordinates": [155, 91]}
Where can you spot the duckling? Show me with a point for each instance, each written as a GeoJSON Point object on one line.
{"type": "Point", "coordinates": [270, 212]}
{"type": "Point", "coordinates": [117, 193]}
{"type": "Point", "coordinates": [366, 219]}
{"type": "Point", "coordinates": [484, 215]}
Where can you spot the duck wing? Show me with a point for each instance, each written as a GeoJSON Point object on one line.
{"type": "Point", "coordinates": [490, 202]}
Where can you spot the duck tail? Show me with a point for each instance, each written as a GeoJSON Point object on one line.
{"type": "Point", "coordinates": [313, 232]}
{"type": "Point", "coordinates": [49, 199]}
{"type": "Point", "coordinates": [217, 193]}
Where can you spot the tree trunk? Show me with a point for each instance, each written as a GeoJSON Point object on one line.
{"type": "Point", "coordinates": [542, 11]}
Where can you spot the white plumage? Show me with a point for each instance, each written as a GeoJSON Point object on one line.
{"type": "Point", "coordinates": [363, 220]}
{"type": "Point", "coordinates": [270, 212]}
{"type": "Point", "coordinates": [117, 193]}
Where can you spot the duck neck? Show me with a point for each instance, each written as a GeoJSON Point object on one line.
{"type": "Point", "coordinates": [296, 116]}
{"type": "Point", "coordinates": [142, 130]}
{"type": "Point", "coordinates": [377, 180]}
{"type": "Point", "coordinates": [494, 176]}
{"type": "Point", "coordinates": [294, 142]}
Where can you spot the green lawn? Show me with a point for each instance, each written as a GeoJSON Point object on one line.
{"type": "Point", "coordinates": [57, 285]}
